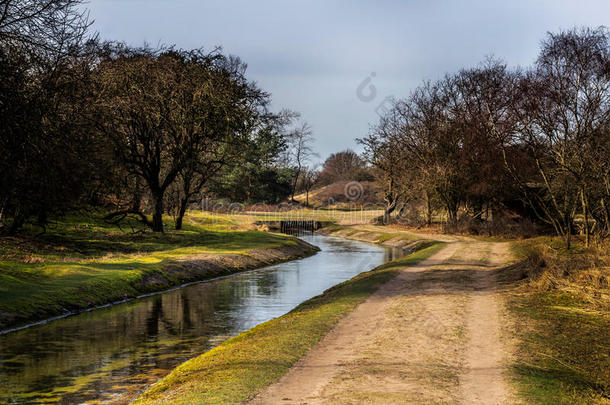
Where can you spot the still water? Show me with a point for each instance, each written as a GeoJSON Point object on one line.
{"type": "Point", "coordinates": [111, 355]}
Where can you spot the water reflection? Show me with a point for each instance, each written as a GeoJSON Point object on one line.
{"type": "Point", "coordinates": [110, 355]}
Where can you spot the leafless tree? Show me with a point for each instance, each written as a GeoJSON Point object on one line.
{"type": "Point", "coordinates": [233, 110]}
{"type": "Point", "coordinates": [486, 136]}
{"type": "Point", "coordinates": [309, 178]}
{"type": "Point", "coordinates": [46, 55]}
{"type": "Point", "coordinates": [49, 29]}
{"type": "Point", "coordinates": [564, 119]}
{"type": "Point", "coordinates": [387, 157]}
{"type": "Point", "coordinates": [342, 166]}
{"type": "Point", "coordinates": [165, 112]}
{"type": "Point", "coordinates": [299, 152]}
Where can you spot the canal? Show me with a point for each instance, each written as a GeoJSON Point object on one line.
{"type": "Point", "coordinates": [110, 355]}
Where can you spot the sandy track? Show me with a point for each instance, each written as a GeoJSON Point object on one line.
{"type": "Point", "coordinates": [430, 335]}
{"type": "Point", "coordinates": [482, 380]}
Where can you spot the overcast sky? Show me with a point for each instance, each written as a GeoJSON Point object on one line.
{"type": "Point", "coordinates": [313, 55]}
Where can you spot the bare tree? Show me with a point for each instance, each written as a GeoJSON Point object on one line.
{"type": "Point", "coordinates": [46, 57]}
{"type": "Point", "coordinates": [299, 152]}
{"type": "Point", "coordinates": [49, 29]}
{"type": "Point", "coordinates": [341, 166]}
{"type": "Point", "coordinates": [309, 179]}
{"type": "Point", "coordinates": [164, 111]}
{"type": "Point", "coordinates": [564, 119]}
{"type": "Point", "coordinates": [220, 126]}
{"type": "Point", "coordinates": [435, 145]}
{"type": "Point", "coordinates": [479, 137]}
{"type": "Point", "coordinates": [386, 156]}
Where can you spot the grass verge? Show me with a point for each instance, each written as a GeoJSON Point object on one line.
{"type": "Point", "coordinates": [392, 238]}
{"type": "Point", "coordinates": [562, 325]}
{"type": "Point", "coordinates": [82, 262]}
{"type": "Point", "coordinates": [242, 366]}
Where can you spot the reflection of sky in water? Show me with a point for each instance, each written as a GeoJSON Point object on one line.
{"type": "Point", "coordinates": [111, 354]}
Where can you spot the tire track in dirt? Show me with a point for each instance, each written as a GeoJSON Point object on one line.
{"type": "Point", "coordinates": [482, 381]}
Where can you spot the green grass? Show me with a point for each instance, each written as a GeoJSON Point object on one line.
{"type": "Point", "coordinates": [333, 228]}
{"type": "Point", "coordinates": [375, 236]}
{"type": "Point", "coordinates": [391, 235]}
{"type": "Point", "coordinates": [564, 356]}
{"type": "Point", "coordinates": [87, 236]}
{"type": "Point", "coordinates": [242, 366]}
{"type": "Point", "coordinates": [564, 351]}
{"type": "Point", "coordinates": [81, 261]}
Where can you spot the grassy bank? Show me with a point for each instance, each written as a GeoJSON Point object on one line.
{"type": "Point", "coordinates": [242, 366]}
{"type": "Point", "coordinates": [82, 261]}
{"type": "Point", "coordinates": [562, 323]}
{"type": "Point", "coordinates": [384, 236]}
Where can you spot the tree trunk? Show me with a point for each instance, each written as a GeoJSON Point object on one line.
{"type": "Point", "coordinates": [585, 211]}
{"type": "Point", "coordinates": [181, 212]}
{"type": "Point", "coordinates": [402, 210]}
{"type": "Point", "coordinates": [452, 219]}
{"type": "Point", "coordinates": [428, 210]}
{"type": "Point", "coordinates": [157, 222]}
{"type": "Point", "coordinates": [386, 215]}
{"type": "Point", "coordinates": [42, 218]}
{"type": "Point", "coordinates": [568, 235]}
{"type": "Point", "coordinates": [136, 201]}
{"type": "Point", "coordinates": [2, 214]}
{"type": "Point", "coordinates": [606, 215]}
{"type": "Point", "coordinates": [249, 190]}
{"type": "Point", "coordinates": [294, 184]}
{"type": "Point", "coordinates": [18, 221]}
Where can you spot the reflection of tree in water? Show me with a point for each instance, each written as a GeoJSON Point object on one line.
{"type": "Point", "coordinates": [393, 254]}
{"type": "Point", "coordinates": [186, 311]}
{"type": "Point", "coordinates": [152, 322]}
{"type": "Point", "coordinates": [267, 283]}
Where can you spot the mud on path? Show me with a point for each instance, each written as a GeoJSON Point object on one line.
{"type": "Point", "coordinates": [433, 334]}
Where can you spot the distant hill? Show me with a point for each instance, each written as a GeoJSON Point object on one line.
{"type": "Point", "coordinates": [343, 194]}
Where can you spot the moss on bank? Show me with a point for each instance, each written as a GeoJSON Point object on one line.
{"type": "Point", "coordinates": [242, 366]}
{"type": "Point", "coordinates": [83, 262]}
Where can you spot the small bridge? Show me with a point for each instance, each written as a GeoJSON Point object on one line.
{"type": "Point", "coordinates": [299, 227]}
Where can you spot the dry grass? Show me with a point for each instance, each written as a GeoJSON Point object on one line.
{"type": "Point", "coordinates": [581, 271]}
{"type": "Point", "coordinates": [356, 215]}
{"type": "Point", "coordinates": [344, 194]}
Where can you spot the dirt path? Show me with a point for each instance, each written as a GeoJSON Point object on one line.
{"type": "Point", "coordinates": [481, 381]}
{"type": "Point", "coordinates": [431, 335]}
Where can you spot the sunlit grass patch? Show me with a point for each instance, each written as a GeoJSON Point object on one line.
{"type": "Point", "coordinates": [394, 235]}
{"type": "Point", "coordinates": [564, 356]}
